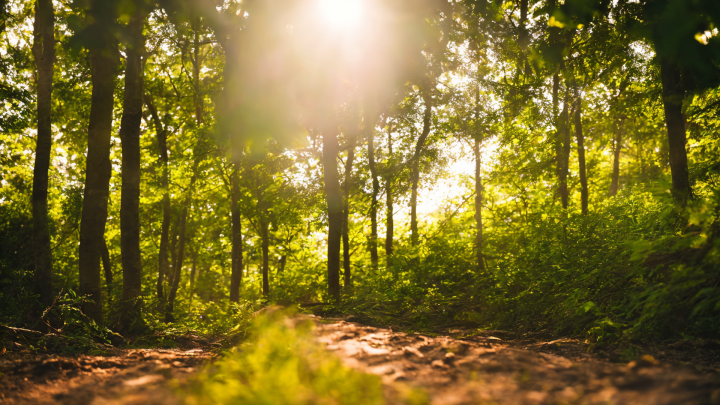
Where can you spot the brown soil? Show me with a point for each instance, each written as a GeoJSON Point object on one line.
{"type": "Point", "coordinates": [144, 376]}
{"type": "Point", "coordinates": [492, 368]}
{"type": "Point", "coordinates": [489, 370]}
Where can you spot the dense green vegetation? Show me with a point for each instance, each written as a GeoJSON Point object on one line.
{"type": "Point", "coordinates": [533, 166]}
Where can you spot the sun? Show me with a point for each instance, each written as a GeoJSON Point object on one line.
{"type": "Point", "coordinates": [341, 13]}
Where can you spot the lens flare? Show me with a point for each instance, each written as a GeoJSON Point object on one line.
{"type": "Point", "coordinates": [341, 13]}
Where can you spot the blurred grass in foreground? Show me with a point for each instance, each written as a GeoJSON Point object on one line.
{"type": "Point", "coordinates": [281, 363]}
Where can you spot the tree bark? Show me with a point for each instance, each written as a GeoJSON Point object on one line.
{"type": "Point", "coordinates": [415, 165]}
{"type": "Point", "coordinates": [673, 97]}
{"type": "Point", "coordinates": [197, 96]}
{"type": "Point", "coordinates": [615, 179]}
{"type": "Point", "coordinates": [180, 256]}
{"type": "Point", "coordinates": [193, 271]}
{"type": "Point", "coordinates": [334, 203]}
{"type": "Point", "coordinates": [237, 248]}
{"type": "Point", "coordinates": [104, 61]}
{"type": "Point", "coordinates": [130, 197]}
{"type": "Point", "coordinates": [564, 157]}
{"type": "Point", "coordinates": [265, 235]}
{"type": "Point", "coordinates": [389, 221]}
{"type": "Point", "coordinates": [478, 207]}
{"type": "Point", "coordinates": [282, 263]}
{"type": "Point", "coordinates": [346, 211]}
{"type": "Point", "coordinates": [163, 263]}
{"type": "Point", "coordinates": [370, 133]}
{"type": "Point", "coordinates": [581, 152]}
{"type": "Point", "coordinates": [107, 265]}
{"type": "Point", "coordinates": [44, 52]}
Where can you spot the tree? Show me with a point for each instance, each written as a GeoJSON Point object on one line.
{"type": "Point", "coordinates": [44, 52]}
{"type": "Point", "coordinates": [104, 61]}
{"type": "Point", "coordinates": [237, 243]}
{"type": "Point", "coordinates": [347, 186]}
{"type": "Point", "coordinates": [161, 136]}
{"type": "Point", "coordinates": [425, 92]}
{"type": "Point", "coordinates": [130, 200]}
{"type": "Point", "coordinates": [333, 197]}
{"type": "Point", "coordinates": [369, 123]}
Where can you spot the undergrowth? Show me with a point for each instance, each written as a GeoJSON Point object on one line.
{"type": "Point", "coordinates": [281, 363]}
{"type": "Point", "coordinates": [635, 269]}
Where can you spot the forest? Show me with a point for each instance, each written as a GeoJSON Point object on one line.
{"type": "Point", "coordinates": [262, 179]}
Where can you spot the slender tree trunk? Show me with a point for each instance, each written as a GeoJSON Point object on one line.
{"type": "Point", "coordinates": [581, 152]}
{"type": "Point", "coordinates": [389, 222]}
{"type": "Point", "coordinates": [564, 157]}
{"type": "Point", "coordinates": [104, 61]}
{"type": "Point", "coordinates": [478, 181]}
{"type": "Point", "coordinates": [282, 263]}
{"type": "Point", "coordinates": [370, 132]}
{"type": "Point", "coordinates": [130, 197]}
{"type": "Point", "coordinates": [193, 271]}
{"type": "Point", "coordinates": [415, 165]}
{"type": "Point", "coordinates": [44, 52]}
{"type": "Point", "coordinates": [615, 179]}
{"type": "Point", "coordinates": [673, 96]}
{"type": "Point", "coordinates": [180, 256]}
{"type": "Point", "coordinates": [107, 266]}
{"type": "Point", "coordinates": [197, 101]}
{"type": "Point", "coordinates": [197, 96]}
{"type": "Point", "coordinates": [334, 203]}
{"type": "Point", "coordinates": [346, 211]}
{"type": "Point", "coordinates": [174, 235]}
{"type": "Point", "coordinates": [163, 264]}
{"type": "Point", "coordinates": [237, 248]}
{"type": "Point", "coordinates": [478, 208]}
{"type": "Point", "coordinates": [523, 39]}
{"type": "Point", "coordinates": [265, 235]}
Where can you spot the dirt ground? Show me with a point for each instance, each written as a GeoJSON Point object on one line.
{"type": "Point", "coordinates": [144, 376]}
{"type": "Point", "coordinates": [492, 368]}
{"type": "Point", "coordinates": [488, 370]}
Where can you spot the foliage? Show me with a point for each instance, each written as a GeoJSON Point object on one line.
{"type": "Point", "coordinates": [281, 363]}
{"type": "Point", "coordinates": [636, 266]}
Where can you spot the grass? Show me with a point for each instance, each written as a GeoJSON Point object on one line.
{"type": "Point", "coordinates": [282, 364]}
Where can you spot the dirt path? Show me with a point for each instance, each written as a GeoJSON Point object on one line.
{"type": "Point", "coordinates": [486, 370]}
{"type": "Point", "coordinates": [121, 377]}
{"type": "Point", "coordinates": [447, 370]}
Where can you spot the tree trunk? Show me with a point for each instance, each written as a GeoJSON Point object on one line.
{"type": "Point", "coordinates": [673, 96]}
{"type": "Point", "coordinates": [615, 179]}
{"type": "Point", "coordinates": [180, 256]}
{"type": "Point", "coordinates": [389, 222]}
{"type": "Point", "coordinates": [282, 263]}
{"type": "Point", "coordinates": [104, 61]}
{"type": "Point", "coordinates": [163, 264]}
{"type": "Point", "coordinates": [370, 132]}
{"type": "Point", "coordinates": [478, 208]}
{"type": "Point", "coordinates": [265, 235]}
{"type": "Point", "coordinates": [346, 211]}
{"type": "Point", "coordinates": [237, 248]}
{"type": "Point", "coordinates": [197, 96]}
{"type": "Point", "coordinates": [44, 52]}
{"type": "Point", "coordinates": [193, 271]}
{"type": "Point", "coordinates": [130, 197]}
{"type": "Point", "coordinates": [564, 157]}
{"type": "Point", "coordinates": [581, 152]}
{"type": "Point", "coordinates": [334, 204]}
{"type": "Point", "coordinates": [415, 165]}
{"type": "Point", "coordinates": [107, 266]}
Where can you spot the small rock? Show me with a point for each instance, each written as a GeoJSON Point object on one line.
{"type": "Point", "coordinates": [438, 364]}
{"type": "Point", "coordinates": [645, 360]}
{"type": "Point", "coordinates": [411, 352]}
